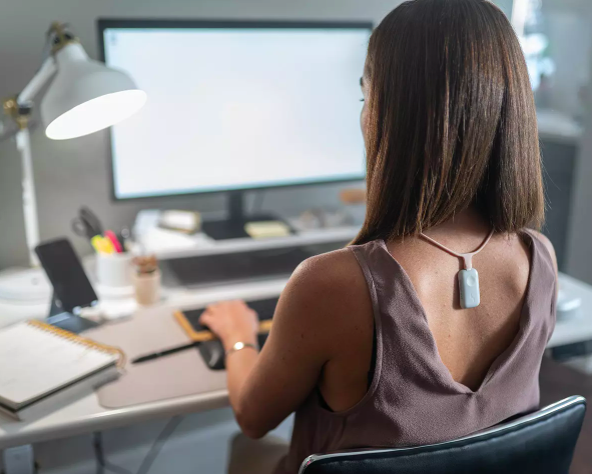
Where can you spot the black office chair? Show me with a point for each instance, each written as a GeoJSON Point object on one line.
{"type": "Point", "coordinates": [539, 443]}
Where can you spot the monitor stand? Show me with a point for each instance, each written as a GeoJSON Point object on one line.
{"type": "Point", "coordinates": [233, 227]}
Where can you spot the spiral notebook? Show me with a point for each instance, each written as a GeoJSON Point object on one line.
{"type": "Point", "coordinates": [40, 362]}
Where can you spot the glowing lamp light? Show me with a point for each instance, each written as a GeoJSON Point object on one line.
{"type": "Point", "coordinates": [86, 96]}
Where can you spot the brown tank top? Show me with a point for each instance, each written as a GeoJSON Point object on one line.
{"type": "Point", "coordinates": [413, 399]}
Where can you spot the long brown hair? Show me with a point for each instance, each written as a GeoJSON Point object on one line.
{"type": "Point", "coordinates": [451, 121]}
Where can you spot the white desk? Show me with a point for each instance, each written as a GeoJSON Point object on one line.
{"type": "Point", "coordinates": [86, 415]}
{"type": "Point", "coordinates": [166, 244]}
{"type": "Point", "coordinates": [578, 329]}
{"type": "Point", "coordinates": [558, 127]}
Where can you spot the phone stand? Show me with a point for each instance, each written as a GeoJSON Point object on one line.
{"type": "Point", "coordinates": [67, 320]}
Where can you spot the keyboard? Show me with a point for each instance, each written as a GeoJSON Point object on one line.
{"type": "Point", "coordinates": [237, 267]}
{"type": "Point", "coordinates": [210, 270]}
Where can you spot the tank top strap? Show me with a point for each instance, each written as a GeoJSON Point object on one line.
{"type": "Point", "coordinates": [542, 253]}
{"type": "Point", "coordinates": [363, 255]}
{"type": "Point", "coordinates": [542, 284]}
{"type": "Point", "coordinates": [404, 343]}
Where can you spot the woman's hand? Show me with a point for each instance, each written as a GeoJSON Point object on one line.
{"type": "Point", "coordinates": [232, 322]}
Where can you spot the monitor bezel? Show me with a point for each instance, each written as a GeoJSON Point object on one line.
{"type": "Point", "coordinates": [107, 23]}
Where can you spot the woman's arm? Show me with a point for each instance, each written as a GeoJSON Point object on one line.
{"type": "Point", "coordinates": [308, 325]}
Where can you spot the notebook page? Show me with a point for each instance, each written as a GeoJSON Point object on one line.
{"type": "Point", "coordinates": [34, 362]}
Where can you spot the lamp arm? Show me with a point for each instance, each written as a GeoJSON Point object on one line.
{"type": "Point", "coordinates": [30, 215]}
{"type": "Point", "coordinates": [44, 74]}
{"type": "Point", "coordinates": [20, 111]}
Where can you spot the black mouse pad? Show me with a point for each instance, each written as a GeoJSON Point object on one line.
{"type": "Point", "coordinates": [189, 319]}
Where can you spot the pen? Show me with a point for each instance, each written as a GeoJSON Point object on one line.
{"type": "Point", "coordinates": [264, 327]}
{"type": "Point", "coordinates": [124, 236]}
{"type": "Point", "coordinates": [163, 353]}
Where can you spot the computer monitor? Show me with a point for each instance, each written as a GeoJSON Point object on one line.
{"type": "Point", "coordinates": [236, 106]}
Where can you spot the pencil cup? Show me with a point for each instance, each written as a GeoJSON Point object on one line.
{"type": "Point", "coordinates": [147, 287]}
{"type": "Point", "coordinates": [114, 270]}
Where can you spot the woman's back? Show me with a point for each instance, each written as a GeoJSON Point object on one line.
{"type": "Point", "coordinates": [468, 340]}
{"type": "Point", "coordinates": [437, 372]}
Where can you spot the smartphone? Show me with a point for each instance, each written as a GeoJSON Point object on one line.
{"type": "Point", "coordinates": [64, 270]}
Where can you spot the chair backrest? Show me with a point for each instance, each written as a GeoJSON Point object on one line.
{"type": "Point", "coordinates": [542, 442]}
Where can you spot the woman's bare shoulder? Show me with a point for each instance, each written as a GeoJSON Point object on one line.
{"type": "Point", "coordinates": [329, 287]}
{"type": "Point", "coordinates": [333, 271]}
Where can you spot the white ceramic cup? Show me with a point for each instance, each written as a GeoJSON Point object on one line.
{"type": "Point", "coordinates": [114, 270]}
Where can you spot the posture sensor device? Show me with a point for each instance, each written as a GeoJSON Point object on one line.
{"type": "Point", "coordinates": [468, 283]}
{"type": "Point", "coordinates": [468, 279]}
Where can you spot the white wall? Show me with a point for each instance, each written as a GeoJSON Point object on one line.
{"type": "Point", "coordinates": [71, 173]}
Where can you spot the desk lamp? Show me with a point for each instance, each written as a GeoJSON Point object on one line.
{"type": "Point", "coordinates": [84, 97]}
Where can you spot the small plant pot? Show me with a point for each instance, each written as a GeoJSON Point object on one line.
{"type": "Point", "coordinates": [147, 287]}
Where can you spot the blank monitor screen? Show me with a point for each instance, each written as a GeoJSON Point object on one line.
{"type": "Point", "coordinates": [233, 108]}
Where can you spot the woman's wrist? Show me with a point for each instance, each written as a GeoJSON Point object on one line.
{"type": "Point", "coordinates": [240, 346]}
{"type": "Point", "coordinates": [231, 341]}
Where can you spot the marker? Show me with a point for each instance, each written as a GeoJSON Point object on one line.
{"type": "Point", "coordinates": [102, 244]}
{"type": "Point", "coordinates": [97, 243]}
{"type": "Point", "coordinates": [110, 235]}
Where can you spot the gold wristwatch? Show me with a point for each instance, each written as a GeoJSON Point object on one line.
{"type": "Point", "coordinates": [239, 346]}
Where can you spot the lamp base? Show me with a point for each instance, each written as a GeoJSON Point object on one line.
{"type": "Point", "coordinates": [25, 286]}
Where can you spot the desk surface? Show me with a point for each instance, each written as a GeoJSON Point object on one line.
{"type": "Point", "coordinates": [168, 244]}
{"type": "Point", "coordinates": [578, 329]}
{"type": "Point", "coordinates": [86, 415]}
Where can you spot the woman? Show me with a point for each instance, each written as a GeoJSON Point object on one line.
{"type": "Point", "coordinates": [373, 345]}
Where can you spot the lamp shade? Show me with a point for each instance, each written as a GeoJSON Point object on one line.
{"type": "Point", "coordinates": [86, 96]}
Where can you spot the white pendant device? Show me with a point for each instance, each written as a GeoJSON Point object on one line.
{"type": "Point", "coordinates": [468, 284]}
{"type": "Point", "coordinates": [468, 279]}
